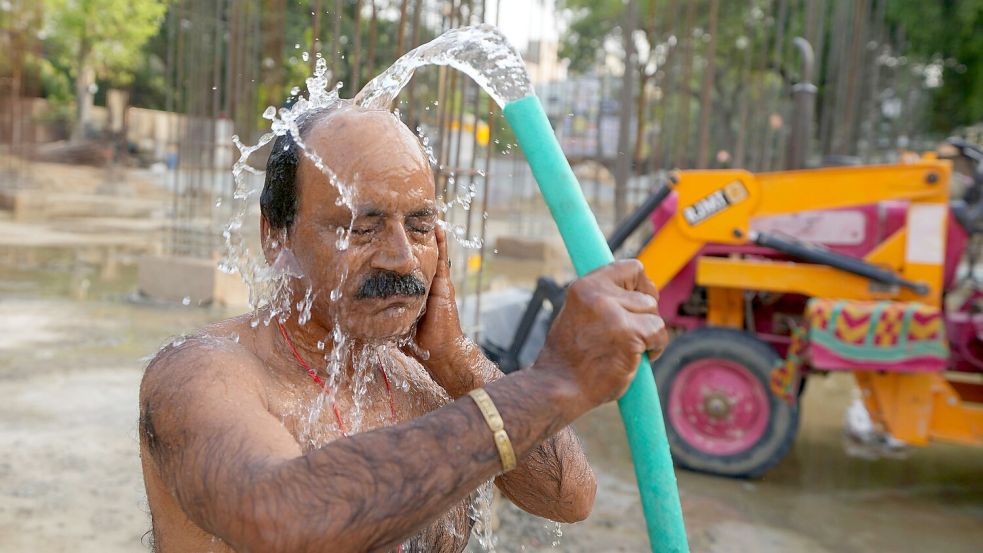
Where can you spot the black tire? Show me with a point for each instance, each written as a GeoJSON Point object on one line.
{"type": "Point", "coordinates": [759, 359]}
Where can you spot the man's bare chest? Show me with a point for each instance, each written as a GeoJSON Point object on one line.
{"type": "Point", "coordinates": [315, 417]}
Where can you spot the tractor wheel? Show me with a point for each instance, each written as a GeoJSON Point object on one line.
{"type": "Point", "coordinates": [720, 414]}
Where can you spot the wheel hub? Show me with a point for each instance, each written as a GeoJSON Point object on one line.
{"type": "Point", "coordinates": [718, 406]}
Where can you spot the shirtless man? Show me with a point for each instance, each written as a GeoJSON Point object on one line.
{"type": "Point", "coordinates": [231, 460]}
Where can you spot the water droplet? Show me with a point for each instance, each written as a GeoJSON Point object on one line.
{"type": "Point", "coordinates": [270, 113]}
{"type": "Point", "coordinates": [305, 56]}
{"type": "Point", "coordinates": [186, 300]}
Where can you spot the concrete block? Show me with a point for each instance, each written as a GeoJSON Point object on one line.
{"type": "Point", "coordinates": [523, 260]}
{"type": "Point", "coordinates": [230, 290]}
{"type": "Point", "coordinates": [40, 205]}
{"type": "Point", "coordinates": [172, 279]}
{"type": "Point", "coordinates": [189, 280]}
{"type": "Point", "coordinates": [7, 199]}
{"type": "Point", "coordinates": [537, 249]}
{"type": "Point", "coordinates": [25, 205]}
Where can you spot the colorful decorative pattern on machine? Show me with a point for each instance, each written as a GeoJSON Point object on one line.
{"type": "Point", "coordinates": [883, 335]}
{"type": "Point", "coordinates": [842, 335]}
{"type": "Point", "coordinates": [786, 376]}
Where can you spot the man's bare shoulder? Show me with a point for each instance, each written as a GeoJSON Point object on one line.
{"type": "Point", "coordinates": [212, 356]}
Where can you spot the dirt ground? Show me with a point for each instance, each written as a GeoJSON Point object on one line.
{"type": "Point", "coordinates": [70, 475]}
{"type": "Point", "coordinates": [73, 343]}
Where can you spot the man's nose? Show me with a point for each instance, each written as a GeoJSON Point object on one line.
{"type": "Point", "coordinates": [396, 253]}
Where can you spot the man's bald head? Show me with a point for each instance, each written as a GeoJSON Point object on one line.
{"type": "Point", "coordinates": [350, 139]}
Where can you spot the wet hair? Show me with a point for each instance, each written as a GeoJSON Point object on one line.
{"type": "Point", "coordinates": [278, 202]}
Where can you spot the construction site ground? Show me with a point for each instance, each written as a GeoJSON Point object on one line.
{"type": "Point", "coordinates": [74, 339]}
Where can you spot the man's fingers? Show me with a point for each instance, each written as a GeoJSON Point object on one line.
{"type": "Point", "coordinates": [442, 289]}
{"type": "Point", "coordinates": [652, 331]}
{"type": "Point", "coordinates": [624, 273]}
{"type": "Point", "coordinates": [646, 286]}
{"type": "Point", "coordinates": [629, 274]}
{"type": "Point", "coordinates": [638, 302]}
{"type": "Point", "coordinates": [443, 267]}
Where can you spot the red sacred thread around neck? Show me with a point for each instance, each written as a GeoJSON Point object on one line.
{"type": "Point", "coordinates": [320, 382]}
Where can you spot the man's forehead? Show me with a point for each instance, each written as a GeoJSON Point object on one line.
{"type": "Point", "coordinates": [374, 156]}
{"type": "Point", "coordinates": [353, 141]}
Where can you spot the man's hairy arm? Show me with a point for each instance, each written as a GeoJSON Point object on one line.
{"type": "Point", "coordinates": [239, 474]}
{"type": "Point", "coordinates": [554, 480]}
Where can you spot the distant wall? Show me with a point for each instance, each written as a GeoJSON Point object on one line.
{"type": "Point", "coordinates": [154, 133]}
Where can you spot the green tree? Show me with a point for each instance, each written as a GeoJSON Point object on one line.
{"type": "Point", "coordinates": [100, 39]}
{"type": "Point", "coordinates": [948, 35]}
{"type": "Point", "coordinates": [675, 46]}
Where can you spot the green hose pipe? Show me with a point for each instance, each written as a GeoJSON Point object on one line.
{"type": "Point", "coordinates": [588, 250]}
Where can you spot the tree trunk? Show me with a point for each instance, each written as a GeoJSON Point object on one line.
{"type": "Point", "coordinates": [339, 13]}
{"type": "Point", "coordinates": [682, 142]}
{"type": "Point", "coordinates": [666, 116]}
{"type": "Point", "coordinates": [83, 89]}
{"type": "Point", "coordinates": [623, 158]}
{"type": "Point", "coordinates": [356, 61]}
{"type": "Point", "coordinates": [373, 31]}
{"type": "Point", "coordinates": [641, 106]}
{"type": "Point", "coordinates": [410, 96]}
{"type": "Point", "coordinates": [401, 40]}
{"type": "Point", "coordinates": [703, 150]}
{"type": "Point", "coordinates": [641, 114]}
{"type": "Point", "coordinates": [315, 33]}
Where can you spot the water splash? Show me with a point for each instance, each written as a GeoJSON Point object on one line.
{"type": "Point", "coordinates": [481, 513]}
{"type": "Point", "coordinates": [268, 284]}
{"type": "Point", "coordinates": [481, 52]}
{"type": "Point", "coordinates": [556, 530]}
{"type": "Point", "coordinates": [304, 306]}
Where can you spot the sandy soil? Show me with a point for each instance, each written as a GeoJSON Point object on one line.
{"type": "Point", "coordinates": [70, 476]}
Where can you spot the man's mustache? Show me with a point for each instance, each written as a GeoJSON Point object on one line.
{"type": "Point", "coordinates": [387, 284]}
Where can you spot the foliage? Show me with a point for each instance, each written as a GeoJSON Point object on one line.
{"type": "Point", "coordinates": [941, 35]}
{"type": "Point", "coordinates": [106, 34]}
{"type": "Point", "coordinates": [947, 33]}
{"type": "Point", "coordinates": [591, 23]}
